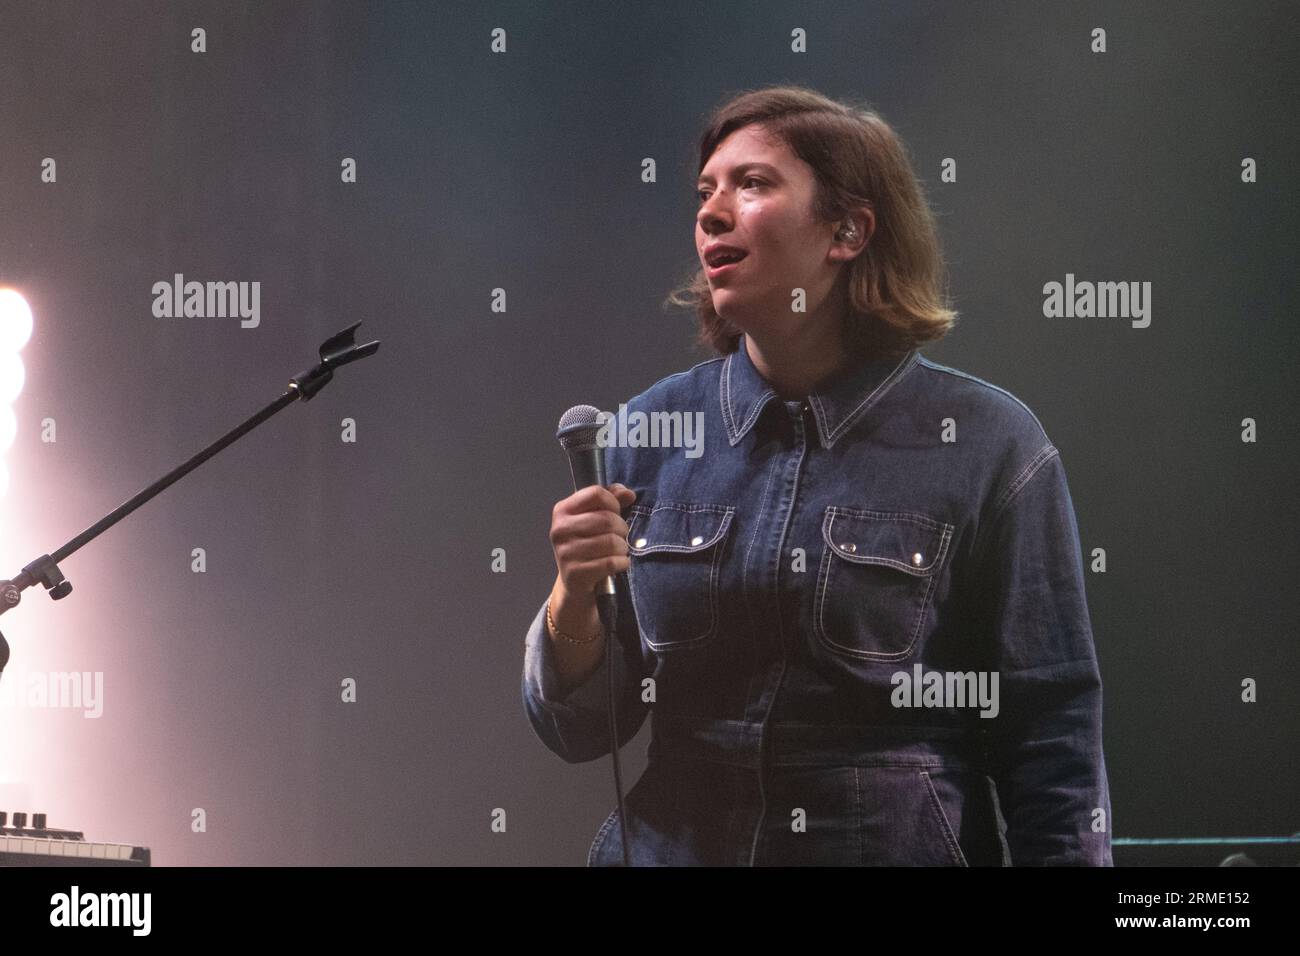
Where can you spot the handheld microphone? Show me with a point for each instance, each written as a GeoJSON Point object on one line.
{"type": "Point", "coordinates": [577, 435]}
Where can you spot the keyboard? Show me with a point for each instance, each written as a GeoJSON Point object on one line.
{"type": "Point", "coordinates": [40, 845]}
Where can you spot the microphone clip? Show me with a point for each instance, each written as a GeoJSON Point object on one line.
{"type": "Point", "coordinates": [336, 351]}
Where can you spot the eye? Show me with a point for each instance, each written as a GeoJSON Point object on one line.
{"type": "Point", "coordinates": [702, 194]}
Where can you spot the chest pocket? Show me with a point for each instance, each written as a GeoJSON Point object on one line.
{"type": "Point", "coordinates": [878, 573]}
{"type": "Point", "coordinates": [676, 549]}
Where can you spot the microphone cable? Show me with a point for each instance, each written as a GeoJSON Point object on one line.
{"type": "Point", "coordinates": [607, 608]}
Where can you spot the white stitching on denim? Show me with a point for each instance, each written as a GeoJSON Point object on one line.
{"type": "Point", "coordinates": [1038, 461]}
{"type": "Point", "coordinates": [725, 510]}
{"type": "Point", "coordinates": [945, 529]}
{"type": "Point", "coordinates": [728, 512]}
{"type": "Point", "coordinates": [736, 432]}
{"type": "Point", "coordinates": [901, 369]}
{"type": "Point", "coordinates": [912, 516]}
{"type": "Point", "coordinates": [925, 605]}
{"type": "Point", "coordinates": [823, 584]}
{"type": "Point", "coordinates": [599, 842]}
{"type": "Point", "coordinates": [736, 780]}
{"type": "Point", "coordinates": [724, 398]}
{"type": "Point", "coordinates": [983, 536]}
{"type": "Point", "coordinates": [957, 373]}
{"type": "Point", "coordinates": [754, 412]}
{"type": "Point", "coordinates": [857, 804]}
{"type": "Point", "coordinates": [954, 848]}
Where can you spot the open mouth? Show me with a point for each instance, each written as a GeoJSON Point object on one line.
{"type": "Point", "coordinates": [724, 262]}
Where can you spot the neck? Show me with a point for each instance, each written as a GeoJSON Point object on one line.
{"type": "Point", "coordinates": [795, 362]}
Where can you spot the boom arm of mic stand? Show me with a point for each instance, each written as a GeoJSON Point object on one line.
{"type": "Point", "coordinates": [336, 351]}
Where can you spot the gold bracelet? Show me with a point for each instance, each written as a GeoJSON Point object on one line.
{"type": "Point", "coordinates": [550, 622]}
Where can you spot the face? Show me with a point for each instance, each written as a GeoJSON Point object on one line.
{"type": "Point", "coordinates": [756, 195]}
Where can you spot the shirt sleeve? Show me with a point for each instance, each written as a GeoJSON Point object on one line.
{"type": "Point", "coordinates": [576, 726]}
{"type": "Point", "coordinates": [1045, 744]}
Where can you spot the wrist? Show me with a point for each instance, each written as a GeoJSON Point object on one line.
{"type": "Point", "coordinates": [563, 600]}
{"type": "Point", "coordinates": [556, 634]}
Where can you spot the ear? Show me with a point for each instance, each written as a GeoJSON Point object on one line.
{"type": "Point", "coordinates": [846, 245]}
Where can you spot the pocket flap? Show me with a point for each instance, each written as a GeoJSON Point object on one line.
{"type": "Point", "coordinates": [904, 540]}
{"type": "Point", "coordinates": [670, 526]}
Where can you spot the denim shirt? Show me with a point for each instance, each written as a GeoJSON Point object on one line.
{"type": "Point", "coordinates": [866, 609]}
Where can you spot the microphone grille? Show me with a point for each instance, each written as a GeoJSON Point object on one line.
{"type": "Point", "coordinates": [578, 427]}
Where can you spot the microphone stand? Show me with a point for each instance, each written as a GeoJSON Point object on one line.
{"type": "Point", "coordinates": [336, 351]}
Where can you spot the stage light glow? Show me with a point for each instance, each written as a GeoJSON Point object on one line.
{"type": "Point", "coordinates": [15, 321]}
{"type": "Point", "coordinates": [15, 330]}
{"type": "Point", "coordinates": [8, 428]}
{"type": "Point", "coordinates": [12, 376]}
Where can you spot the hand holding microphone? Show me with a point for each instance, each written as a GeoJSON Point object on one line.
{"type": "Point", "coordinates": [589, 538]}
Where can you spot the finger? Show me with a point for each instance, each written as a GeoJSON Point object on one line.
{"type": "Point", "coordinates": [602, 567]}
{"type": "Point", "coordinates": [588, 524]}
{"type": "Point", "coordinates": [591, 549]}
{"type": "Point", "coordinates": [591, 498]}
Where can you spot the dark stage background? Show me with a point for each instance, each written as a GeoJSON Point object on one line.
{"type": "Point", "coordinates": [521, 171]}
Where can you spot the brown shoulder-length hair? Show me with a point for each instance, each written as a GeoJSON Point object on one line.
{"type": "Point", "coordinates": [897, 286]}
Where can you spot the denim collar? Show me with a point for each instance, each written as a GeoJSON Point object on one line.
{"type": "Point", "coordinates": [837, 405]}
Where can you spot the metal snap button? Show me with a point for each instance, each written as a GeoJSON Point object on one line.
{"type": "Point", "coordinates": [640, 542]}
{"type": "Point", "coordinates": [697, 540]}
{"type": "Point", "coordinates": [850, 547]}
{"type": "Point", "coordinates": [916, 558]}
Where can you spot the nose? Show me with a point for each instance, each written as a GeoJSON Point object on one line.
{"type": "Point", "coordinates": [710, 217]}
